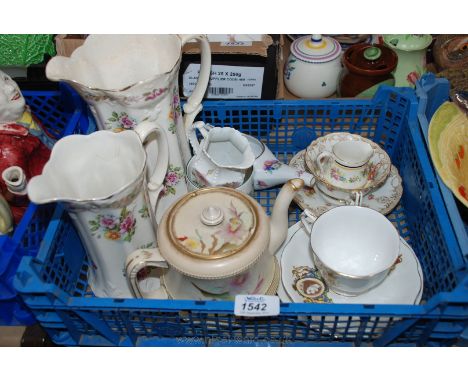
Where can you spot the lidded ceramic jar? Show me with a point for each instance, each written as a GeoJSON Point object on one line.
{"type": "Point", "coordinates": [411, 50]}
{"type": "Point", "coordinates": [366, 66]}
{"type": "Point", "coordinates": [313, 67]}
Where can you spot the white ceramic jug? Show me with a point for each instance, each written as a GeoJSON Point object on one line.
{"type": "Point", "coordinates": [101, 180]}
{"type": "Point", "coordinates": [128, 79]}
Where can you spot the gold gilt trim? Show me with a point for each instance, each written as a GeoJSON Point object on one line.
{"type": "Point", "coordinates": [225, 190]}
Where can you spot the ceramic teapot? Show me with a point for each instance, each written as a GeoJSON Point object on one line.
{"type": "Point", "coordinates": [220, 240]}
{"type": "Point", "coordinates": [411, 50]}
{"type": "Point", "coordinates": [129, 79]}
{"type": "Point", "coordinates": [313, 67]}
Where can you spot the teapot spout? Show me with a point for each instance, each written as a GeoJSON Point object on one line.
{"type": "Point", "coordinates": [279, 216]}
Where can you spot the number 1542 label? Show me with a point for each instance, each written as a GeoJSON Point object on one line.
{"type": "Point", "coordinates": [256, 305]}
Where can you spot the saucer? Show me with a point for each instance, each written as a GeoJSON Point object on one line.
{"type": "Point", "coordinates": [380, 163]}
{"type": "Point", "coordinates": [302, 283]}
{"type": "Point", "coordinates": [383, 199]}
{"type": "Point", "coordinates": [179, 287]}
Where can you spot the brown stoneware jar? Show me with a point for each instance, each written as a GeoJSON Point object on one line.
{"type": "Point", "coordinates": [366, 66]}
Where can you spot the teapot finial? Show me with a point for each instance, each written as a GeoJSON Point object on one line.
{"type": "Point", "coordinates": [279, 216]}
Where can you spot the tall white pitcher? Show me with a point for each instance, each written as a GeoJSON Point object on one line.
{"type": "Point", "coordinates": [101, 180]}
{"type": "Point", "coordinates": [128, 79]}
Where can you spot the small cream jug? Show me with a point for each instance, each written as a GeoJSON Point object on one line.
{"type": "Point", "coordinates": [101, 180]}
{"type": "Point", "coordinates": [128, 79]}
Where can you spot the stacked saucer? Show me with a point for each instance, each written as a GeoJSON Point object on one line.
{"type": "Point", "coordinates": [349, 169]}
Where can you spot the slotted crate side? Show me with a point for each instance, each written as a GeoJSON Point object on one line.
{"type": "Point", "coordinates": [55, 284]}
{"type": "Point", "coordinates": [432, 92]}
{"type": "Point", "coordinates": [61, 113]}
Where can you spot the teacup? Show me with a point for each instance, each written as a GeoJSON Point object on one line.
{"type": "Point", "coordinates": [354, 248]}
{"type": "Point", "coordinates": [347, 166]}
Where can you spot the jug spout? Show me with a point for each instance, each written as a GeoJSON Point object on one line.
{"type": "Point", "coordinates": [57, 69]}
{"type": "Point", "coordinates": [279, 216]}
{"type": "Point", "coordinates": [40, 190]}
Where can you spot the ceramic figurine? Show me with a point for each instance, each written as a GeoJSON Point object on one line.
{"type": "Point", "coordinates": [101, 180]}
{"type": "Point", "coordinates": [218, 243]}
{"type": "Point", "coordinates": [6, 218]}
{"type": "Point", "coordinates": [128, 79]}
{"type": "Point", "coordinates": [23, 141]}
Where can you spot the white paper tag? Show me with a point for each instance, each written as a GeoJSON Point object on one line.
{"type": "Point", "coordinates": [227, 82]}
{"type": "Point", "coordinates": [256, 305]}
{"type": "Point", "coordinates": [236, 43]}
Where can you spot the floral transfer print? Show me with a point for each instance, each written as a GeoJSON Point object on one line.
{"type": "Point", "coordinates": [337, 175]}
{"type": "Point", "coordinates": [271, 165]}
{"type": "Point", "coordinates": [119, 122]}
{"type": "Point", "coordinates": [173, 176]}
{"type": "Point", "coordinates": [174, 111]}
{"type": "Point", "coordinates": [144, 211]}
{"type": "Point", "coordinates": [232, 234]}
{"type": "Point", "coordinates": [113, 227]}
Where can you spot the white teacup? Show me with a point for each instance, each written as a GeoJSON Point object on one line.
{"type": "Point", "coordinates": [347, 166]}
{"type": "Point", "coordinates": [353, 247]}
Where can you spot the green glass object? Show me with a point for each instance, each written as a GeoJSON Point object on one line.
{"type": "Point", "coordinates": [25, 49]}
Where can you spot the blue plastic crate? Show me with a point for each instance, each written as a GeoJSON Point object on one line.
{"type": "Point", "coordinates": [54, 284]}
{"type": "Point", "coordinates": [61, 113]}
{"type": "Point", "coordinates": [433, 92]}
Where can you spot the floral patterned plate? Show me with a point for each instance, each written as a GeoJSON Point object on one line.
{"type": "Point", "coordinates": [179, 287]}
{"type": "Point", "coordinates": [383, 199]}
{"type": "Point", "coordinates": [448, 144]}
{"type": "Point", "coordinates": [302, 283]}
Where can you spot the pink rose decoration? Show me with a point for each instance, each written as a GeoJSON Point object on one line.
{"type": "Point", "coordinates": [412, 77]}
{"type": "Point", "coordinates": [109, 222]}
{"type": "Point", "coordinates": [127, 224]}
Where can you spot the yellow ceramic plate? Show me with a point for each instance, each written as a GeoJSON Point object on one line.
{"type": "Point", "coordinates": [448, 146]}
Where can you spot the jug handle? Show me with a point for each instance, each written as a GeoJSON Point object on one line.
{"type": "Point", "coordinates": [203, 128]}
{"type": "Point", "coordinates": [138, 260]}
{"type": "Point", "coordinates": [156, 181]}
{"type": "Point", "coordinates": [193, 105]}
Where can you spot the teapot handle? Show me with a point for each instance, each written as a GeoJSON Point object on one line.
{"type": "Point", "coordinates": [137, 261]}
{"type": "Point", "coordinates": [156, 180]}
{"type": "Point", "coordinates": [193, 105]}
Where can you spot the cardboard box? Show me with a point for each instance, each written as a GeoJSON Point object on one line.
{"type": "Point", "coordinates": [65, 44]}
{"type": "Point", "coordinates": [240, 70]}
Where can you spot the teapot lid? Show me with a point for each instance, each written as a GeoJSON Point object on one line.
{"type": "Point", "coordinates": [408, 42]}
{"type": "Point", "coordinates": [370, 59]}
{"type": "Point", "coordinates": [213, 232]}
{"type": "Point", "coordinates": [316, 48]}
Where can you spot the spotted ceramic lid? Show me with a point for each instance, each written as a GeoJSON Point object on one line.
{"type": "Point", "coordinates": [408, 42]}
{"type": "Point", "coordinates": [213, 232]}
{"type": "Point", "coordinates": [316, 49]}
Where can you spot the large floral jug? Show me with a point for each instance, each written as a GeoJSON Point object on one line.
{"type": "Point", "coordinates": [128, 79]}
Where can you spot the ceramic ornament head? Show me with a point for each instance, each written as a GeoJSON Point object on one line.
{"type": "Point", "coordinates": [12, 103]}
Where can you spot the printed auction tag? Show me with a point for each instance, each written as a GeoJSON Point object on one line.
{"type": "Point", "coordinates": [256, 305]}
{"type": "Point", "coordinates": [236, 43]}
{"type": "Point", "coordinates": [226, 82]}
